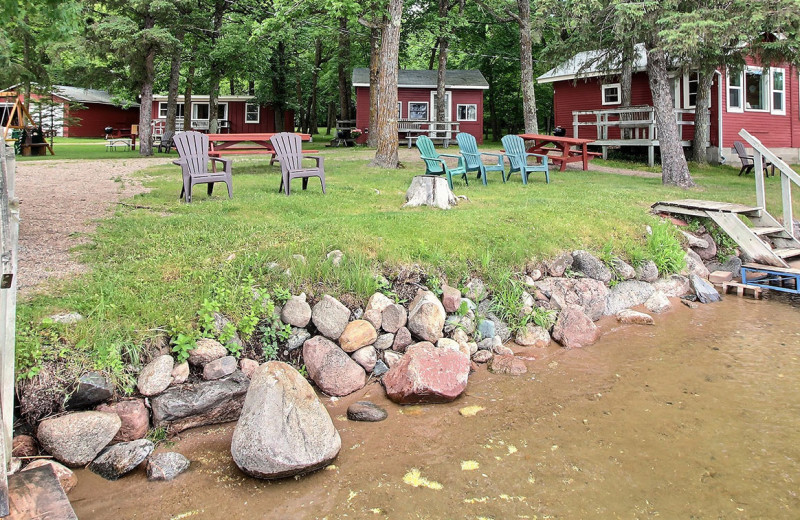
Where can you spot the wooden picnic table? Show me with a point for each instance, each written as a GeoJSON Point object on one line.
{"type": "Point", "coordinates": [544, 144]}
{"type": "Point", "coordinates": [258, 143]}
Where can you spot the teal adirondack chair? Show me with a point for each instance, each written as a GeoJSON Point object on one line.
{"type": "Point", "coordinates": [435, 165]}
{"type": "Point", "coordinates": [518, 157]}
{"type": "Point", "coordinates": [473, 161]}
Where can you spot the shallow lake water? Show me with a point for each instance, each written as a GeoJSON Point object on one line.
{"type": "Point", "coordinates": [697, 417]}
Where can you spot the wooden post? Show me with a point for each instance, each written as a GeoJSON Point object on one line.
{"type": "Point", "coordinates": [575, 125]}
{"type": "Point", "coordinates": [758, 172]}
{"type": "Point", "coordinates": [786, 195]}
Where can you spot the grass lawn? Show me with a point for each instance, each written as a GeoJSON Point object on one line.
{"type": "Point", "coordinates": [153, 267]}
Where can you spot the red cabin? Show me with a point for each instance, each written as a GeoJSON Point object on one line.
{"type": "Point", "coordinates": [79, 112]}
{"type": "Point", "coordinates": [587, 104]}
{"type": "Point", "coordinates": [416, 98]}
{"type": "Point", "coordinates": [237, 115]}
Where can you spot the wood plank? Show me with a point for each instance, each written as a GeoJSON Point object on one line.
{"type": "Point", "coordinates": [711, 205]}
{"type": "Point", "coordinates": [787, 252]}
{"type": "Point", "coordinates": [761, 267]}
{"type": "Point", "coordinates": [750, 244]}
{"type": "Point", "coordinates": [766, 230]}
{"type": "Point", "coordinates": [677, 210]}
{"type": "Point", "coordinates": [37, 494]}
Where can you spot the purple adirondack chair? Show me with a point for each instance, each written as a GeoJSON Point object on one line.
{"type": "Point", "coordinates": [289, 154]}
{"type": "Point", "coordinates": [193, 151]}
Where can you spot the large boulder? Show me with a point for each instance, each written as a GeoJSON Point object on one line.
{"type": "Point", "coordinates": [426, 316]}
{"type": "Point", "coordinates": [393, 317]}
{"type": "Point", "coordinates": [166, 466]}
{"type": "Point", "coordinates": [156, 376]}
{"type": "Point", "coordinates": [75, 439]}
{"type": "Point", "coordinates": [284, 429]}
{"type": "Point", "coordinates": [206, 351]}
{"type": "Point", "coordinates": [333, 371]}
{"type": "Point", "coordinates": [357, 334]}
{"type": "Point", "coordinates": [559, 265]}
{"type": "Point", "coordinates": [629, 316]}
{"type": "Point", "coordinates": [574, 329]}
{"type": "Point", "coordinates": [296, 311]}
{"type": "Point", "coordinates": [90, 389]}
{"type": "Point", "coordinates": [627, 294]}
{"type": "Point", "coordinates": [427, 374]}
{"type": "Point", "coordinates": [591, 266]}
{"type": "Point", "coordinates": [695, 265]}
{"type": "Point", "coordinates": [587, 293]}
{"type": "Point", "coordinates": [134, 417]}
{"type": "Point", "coordinates": [198, 404]}
{"type": "Point", "coordinates": [532, 336]}
{"type": "Point", "coordinates": [658, 303]}
{"type": "Point", "coordinates": [119, 459]}
{"type": "Point", "coordinates": [330, 317]}
{"type": "Point", "coordinates": [647, 271]}
{"type": "Point", "coordinates": [708, 252]}
{"type": "Point", "coordinates": [674, 285]}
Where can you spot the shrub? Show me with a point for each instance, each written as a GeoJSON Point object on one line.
{"type": "Point", "coordinates": [664, 248]}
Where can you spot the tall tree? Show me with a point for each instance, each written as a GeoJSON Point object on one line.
{"type": "Point", "coordinates": [386, 121]}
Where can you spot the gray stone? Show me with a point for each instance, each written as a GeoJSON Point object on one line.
{"type": "Point", "coordinates": [533, 336]}
{"type": "Point", "coordinates": [455, 322]}
{"type": "Point", "coordinates": [296, 312]}
{"type": "Point", "coordinates": [120, 459]}
{"type": "Point", "coordinates": [330, 317]}
{"type": "Point", "coordinates": [658, 303]}
{"type": "Point", "coordinates": [482, 356]}
{"type": "Point", "coordinates": [426, 316]}
{"type": "Point", "coordinates": [384, 341]}
{"type": "Point", "coordinates": [374, 317]}
{"type": "Point", "coordinates": [694, 241]}
{"type": "Point", "coordinates": [380, 368]}
{"type": "Point", "coordinates": [75, 439]}
{"type": "Point", "coordinates": [732, 265]}
{"type": "Point", "coordinates": [66, 319]}
{"type": "Point", "coordinates": [198, 404]}
{"type": "Point", "coordinates": [378, 302]}
{"type": "Point", "coordinates": [367, 357]}
{"type": "Point", "coordinates": [335, 257]}
{"type": "Point", "coordinates": [589, 294]}
{"type": "Point", "coordinates": [486, 343]}
{"type": "Point", "coordinates": [632, 317]}
{"type": "Point", "coordinates": [705, 291]}
{"type": "Point", "coordinates": [218, 368]}
{"type": "Point", "coordinates": [624, 270]}
{"type": "Point", "coordinates": [299, 258]}
{"type": "Point", "coordinates": [486, 328]}
{"type": "Point", "coordinates": [402, 339]}
{"type": "Point", "coordinates": [297, 338]}
{"type": "Point", "coordinates": [559, 265]}
{"type": "Point", "coordinates": [222, 324]}
{"type": "Point", "coordinates": [206, 351]}
{"type": "Point", "coordinates": [675, 285]}
{"type": "Point", "coordinates": [695, 265]}
{"type": "Point", "coordinates": [284, 429]}
{"type": "Point", "coordinates": [500, 327]}
{"type": "Point", "coordinates": [166, 466]}
{"type": "Point", "coordinates": [90, 389]}
{"type": "Point", "coordinates": [393, 317]}
{"type": "Point", "coordinates": [180, 373]}
{"type": "Point", "coordinates": [706, 253]}
{"type": "Point", "coordinates": [366, 411]}
{"type": "Point", "coordinates": [647, 271]}
{"type": "Point", "coordinates": [470, 304]}
{"type": "Point", "coordinates": [590, 265]}
{"type": "Point", "coordinates": [476, 290]}
{"type": "Point", "coordinates": [156, 376]}
{"type": "Point", "coordinates": [627, 294]}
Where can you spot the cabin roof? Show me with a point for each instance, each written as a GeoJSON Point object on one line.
{"type": "Point", "coordinates": [454, 79]}
{"type": "Point", "coordinates": [86, 95]}
{"type": "Point", "coordinates": [591, 64]}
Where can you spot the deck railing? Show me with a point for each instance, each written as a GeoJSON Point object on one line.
{"type": "Point", "coordinates": [788, 176]}
{"type": "Point", "coordinates": [160, 124]}
{"type": "Point", "coordinates": [636, 123]}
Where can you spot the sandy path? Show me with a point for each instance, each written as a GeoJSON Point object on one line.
{"type": "Point", "coordinates": [60, 202]}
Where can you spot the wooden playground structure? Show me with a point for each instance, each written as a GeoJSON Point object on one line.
{"type": "Point", "coordinates": [18, 117]}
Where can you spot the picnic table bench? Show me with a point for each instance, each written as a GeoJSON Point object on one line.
{"type": "Point", "coordinates": [563, 148]}
{"type": "Point", "coordinates": [114, 142]}
{"type": "Point", "coordinates": [246, 144]}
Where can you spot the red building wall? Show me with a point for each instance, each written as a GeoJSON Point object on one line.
{"type": "Point", "coordinates": [91, 121]}
{"type": "Point", "coordinates": [406, 95]}
{"type": "Point", "coordinates": [236, 113]}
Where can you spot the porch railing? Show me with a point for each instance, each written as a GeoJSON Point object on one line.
{"type": "Point", "coordinates": [634, 123]}
{"type": "Point", "coordinates": [160, 124]}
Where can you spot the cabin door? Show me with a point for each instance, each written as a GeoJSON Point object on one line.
{"type": "Point", "coordinates": [446, 130]}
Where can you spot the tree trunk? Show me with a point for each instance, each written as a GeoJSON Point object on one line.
{"type": "Point", "coordinates": [674, 169]}
{"type": "Point", "coordinates": [313, 111]}
{"type": "Point", "coordinates": [172, 94]}
{"type": "Point", "coordinates": [526, 68]}
{"type": "Point", "coordinates": [279, 87]}
{"type": "Point", "coordinates": [187, 96]}
{"type": "Point", "coordinates": [494, 122]}
{"type": "Point", "coordinates": [441, 102]}
{"type": "Point", "coordinates": [217, 70]}
{"type": "Point", "coordinates": [146, 104]}
{"type": "Point", "coordinates": [345, 104]}
{"type": "Point", "coordinates": [386, 153]}
{"type": "Point", "coordinates": [626, 83]}
{"type": "Point", "coordinates": [374, 72]}
{"type": "Point", "coordinates": [232, 86]}
{"type": "Point", "coordinates": [331, 117]}
{"type": "Point", "coordinates": [301, 116]}
{"type": "Point", "coordinates": [702, 130]}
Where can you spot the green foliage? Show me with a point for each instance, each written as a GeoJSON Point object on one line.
{"type": "Point", "coordinates": [434, 285]}
{"type": "Point", "coordinates": [507, 302]}
{"type": "Point", "coordinates": [281, 294]}
{"type": "Point", "coordinates": [385, 288]}
{"type": "Point", "coordinates": [182, 343]}
{"type": "Point", "coordinates": [664, 248]}
{"type": "Point", "coordinates": [544, 318]}
{"type": "Point", "coordinates": [273, 333]}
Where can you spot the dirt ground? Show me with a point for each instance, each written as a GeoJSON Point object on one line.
{"type": "Point", "coordinates": [60, 202]}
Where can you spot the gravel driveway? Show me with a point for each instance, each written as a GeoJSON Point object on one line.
{"type": "Point", "coordinates": [60, 202]}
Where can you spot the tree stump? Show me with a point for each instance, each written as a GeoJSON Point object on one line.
{"type": "Point", "coordinates": [430, 190]}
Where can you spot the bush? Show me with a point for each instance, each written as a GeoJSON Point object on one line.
{"type": "Point", "coordinates": [664, 248]}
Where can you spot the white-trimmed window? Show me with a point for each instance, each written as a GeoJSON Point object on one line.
{"type": "Point", "coordinates": [734, 86]}
{"type": "Point", "coordinates": [756, 85]}
{"type": "Point", "coordinates": [418, 110]}
{"type": "Point", "coordinates": [612, 94]}
{"type": "Point", "coordinates": [252, 113]}
{"type": "Point", "coordinates": [200, 111]}
{"type": "Point", "coordinates": [690, 84]}
{"type": "Point", "coordinates": [778, 85]}
{"type": "Point", "coordinates": [467, 112]}
{"type": "Point", "coordinates": [162, 109]}
{"type": "Point", "coordinates": [399, 110]}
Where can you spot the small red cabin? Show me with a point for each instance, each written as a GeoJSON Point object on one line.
{"type": "Point", "coordinates": [237, 115]}
{"type": "Point", "coordinates": [762, 101]}
{"type": "Point", "coordinates": [78, 112]}
{"type": "Point", "coordinates": [416, 97]}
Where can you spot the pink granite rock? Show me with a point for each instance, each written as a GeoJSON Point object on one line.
{"type": "Point", "coordinates": [427, 374]}
{"type": "Point", "coordinates": [334, 372]}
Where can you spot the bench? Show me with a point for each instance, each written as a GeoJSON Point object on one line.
{"type": "Point", "coordinates": [113, 143]}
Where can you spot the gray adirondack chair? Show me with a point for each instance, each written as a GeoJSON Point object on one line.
{"type": "Point", "coordinates": [435, 165]}
{"type": "Point", "coordinates": [289, 153]}
{"type": "Point", "coordinates": [473, 159]}
{"type": "Point", "coordinates": [194, 160]}
{"type": "Point", "coordinates": [518, 158]}
{"type": "Point", "coordinates": [748, 162]}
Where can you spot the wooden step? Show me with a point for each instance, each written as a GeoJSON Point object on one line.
{"type": "Point", "coordinates": [37, 494]}
{"type": "Point", "coordinates": [788, 252]}
{"type": "Point", "coordinates": [767, 230]}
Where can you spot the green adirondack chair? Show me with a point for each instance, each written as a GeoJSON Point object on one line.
{"type": "Point", "coordinates": [435, 165]}
{"type": "Point", "coordinates": [518, 157]}
{"type": "Point", "coordinates": [473, 161]}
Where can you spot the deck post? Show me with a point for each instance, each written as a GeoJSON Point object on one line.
{"type": "Point", "coordinates": [758, 172]}
{"type": "Point", "coordinates": [786, 195]}
{"type": "Point", "coordinates": [599, 118]}
{"type": "Point", "coordinates": [651, 155]}
{"type": "Point", "coordinates": [575, 125]}
{"type": "Point", "coordinates": [605, 153]}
